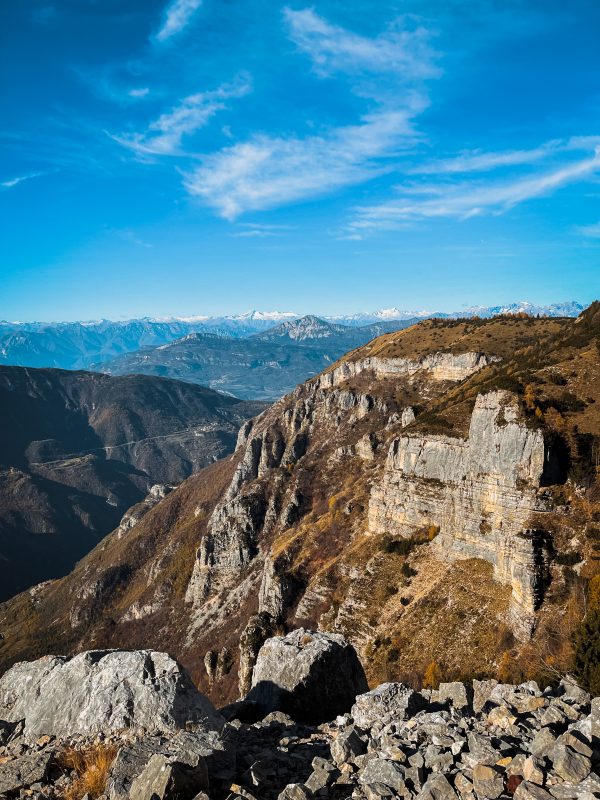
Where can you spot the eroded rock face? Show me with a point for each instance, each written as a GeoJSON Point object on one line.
{"type": "Point", "coordinates": [101, 691]}
{"type": "Point", "coordinates": [133, 515]}
{"type": "Point", "coordinates": [437, 366]}
{"type": "Point", "coordinates": [480, 492]}
{"type": "Point", "coordinates": [258, 629]}
{"type": "Point", "coordinates": [311, 676]}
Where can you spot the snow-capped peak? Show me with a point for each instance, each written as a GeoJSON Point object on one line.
{"type": "Point", "coordinates": [267, 316]}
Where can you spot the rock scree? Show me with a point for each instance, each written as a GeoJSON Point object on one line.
{"type": "Point", "coordinates": [477, 741]}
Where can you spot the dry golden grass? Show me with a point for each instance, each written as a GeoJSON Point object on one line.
{"type": "Point", "coordinates": [444, 599]}
{"type": "Point", "coordinates": [91, 765]}
{"type": "Point", "coordinates": [499, 335]}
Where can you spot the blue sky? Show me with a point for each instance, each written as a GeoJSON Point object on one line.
{"type": "Point", "coordinates": [211, 156]}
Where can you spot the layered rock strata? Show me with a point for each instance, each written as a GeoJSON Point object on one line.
{"type": "Point", "coordinates": [436, 366]}
{"type": "Point", "coordinates": [479, 493]}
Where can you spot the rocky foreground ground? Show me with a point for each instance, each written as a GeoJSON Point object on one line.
{"type": "Point", "coordinates": [130, 724]}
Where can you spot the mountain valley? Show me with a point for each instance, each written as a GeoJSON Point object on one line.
{"type": "Point", "coordinates": [79, 449]}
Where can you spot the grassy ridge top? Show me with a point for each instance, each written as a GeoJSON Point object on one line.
{"type": "Point", "coordinates": [499, 336]}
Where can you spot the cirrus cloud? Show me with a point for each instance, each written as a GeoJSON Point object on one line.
{"type": "Point", "coordinates": [176, 16]}
{"type": "Point", "coordinates": [268, 171]}
{"type": "Point", "coordinates": [163, 136]}
{"type": "Point", "coordinates": [466, 200]}
{"type": "Point", "coordinates": [402, 50]}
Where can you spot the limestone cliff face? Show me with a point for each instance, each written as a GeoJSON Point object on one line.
{"type": "Point", "coordinates": [436, 366]}
{"type": "Point", "coordinates": [480, 492]}
{"type": "Point", "coordinates": [258, 498]}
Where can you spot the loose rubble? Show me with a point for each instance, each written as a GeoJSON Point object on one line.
{"type": "Point", "coordinates": [477, 741]}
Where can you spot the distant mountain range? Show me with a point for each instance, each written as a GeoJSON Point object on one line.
{"type": "Point", "coordinates": [79, 345]}
{"type": "Point", "coordinates": [264, 366]}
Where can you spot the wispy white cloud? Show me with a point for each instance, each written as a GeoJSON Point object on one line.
{"type": "Point", "coordinates": [477, 161]}
{"type": "Point", "coordinates": [254, 230]}
{"type": "Point", "coordinates": [481, 161]}
{"type": "Point", "coordinates": [253, 233]}
{"type": "Point", "coordinates": [163, 137]}
{"type": "Point", "coordinates": [176, 16]}
{"type": "Point", "coordinates": [11, 182]}
{"type": "Point", "coordinates": [269, 171]}
{"type": "Point", "coordinates": [470, 199]}
{"type": "Point", "coordinates": [131, 236]}
{"type": "Point", "coordinates": [593, 231]}
{"type": "Point", "coordinates": [404, 49]}
{"type": "Point", "coordinates": [143, 91]}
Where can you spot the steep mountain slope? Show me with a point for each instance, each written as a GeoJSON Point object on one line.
{"type": "Point", "coordinates": [434, 496]}
{"type": "Point", "coordinates": [264, 366]}
{"type": "Point", "coordinates": [78, 449]}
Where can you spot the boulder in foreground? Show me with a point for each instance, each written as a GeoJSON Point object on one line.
{"type": "Point", "coordinates": [101, 692]}
{"type": "Point", "coordinates": [311, 676]}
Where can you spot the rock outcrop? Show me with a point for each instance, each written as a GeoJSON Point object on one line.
{"type": "Point", "coordinates": [259, 628]}
{"type": "Point", "coordinates": [133, 515]}
{"type": "Point", "coordinates": [100, 692]}
{"type": "Point", "coordinates": [311, 676]}
{"type": "Point", "coordinates": [479, 492]}
{"type": "Point", "coordinates": [436, 366]}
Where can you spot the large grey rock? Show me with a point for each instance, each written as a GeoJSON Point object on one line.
{"type": "Point", "coordinates": [164, 778]}
{"type": "Point", "coordinates": [389, 701]}
{"type": "Point", "coordinates": [573, 693]}
{"type": "Point", "coordinates": [101, 691]}
{"type": "Point", "coordinates": [533, 770]}
{"type": "Point", "coordinates": [570, 765]}
{"type": "Point", "coordinates": [530, 791]}
{"type": "Point", "coordinates": [487, 782]}
{"type": "Point", "coordinates": [481, 693]}
{"type": "Point", "coordinates": [542, 743]}
{"type": "Point", "coordinates": [313, 677]}
{"type": "Point", "coordinates": [346, 746]}
{"type": "Point", "coordinates": [295, 791]}
{"type": "Point", "coordinates": [188, 757]}
{"type": "Point", "coordinates": [436, 787]}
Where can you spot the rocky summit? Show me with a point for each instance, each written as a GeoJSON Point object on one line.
{"type": "Point", "coordinates": [122, 724]}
